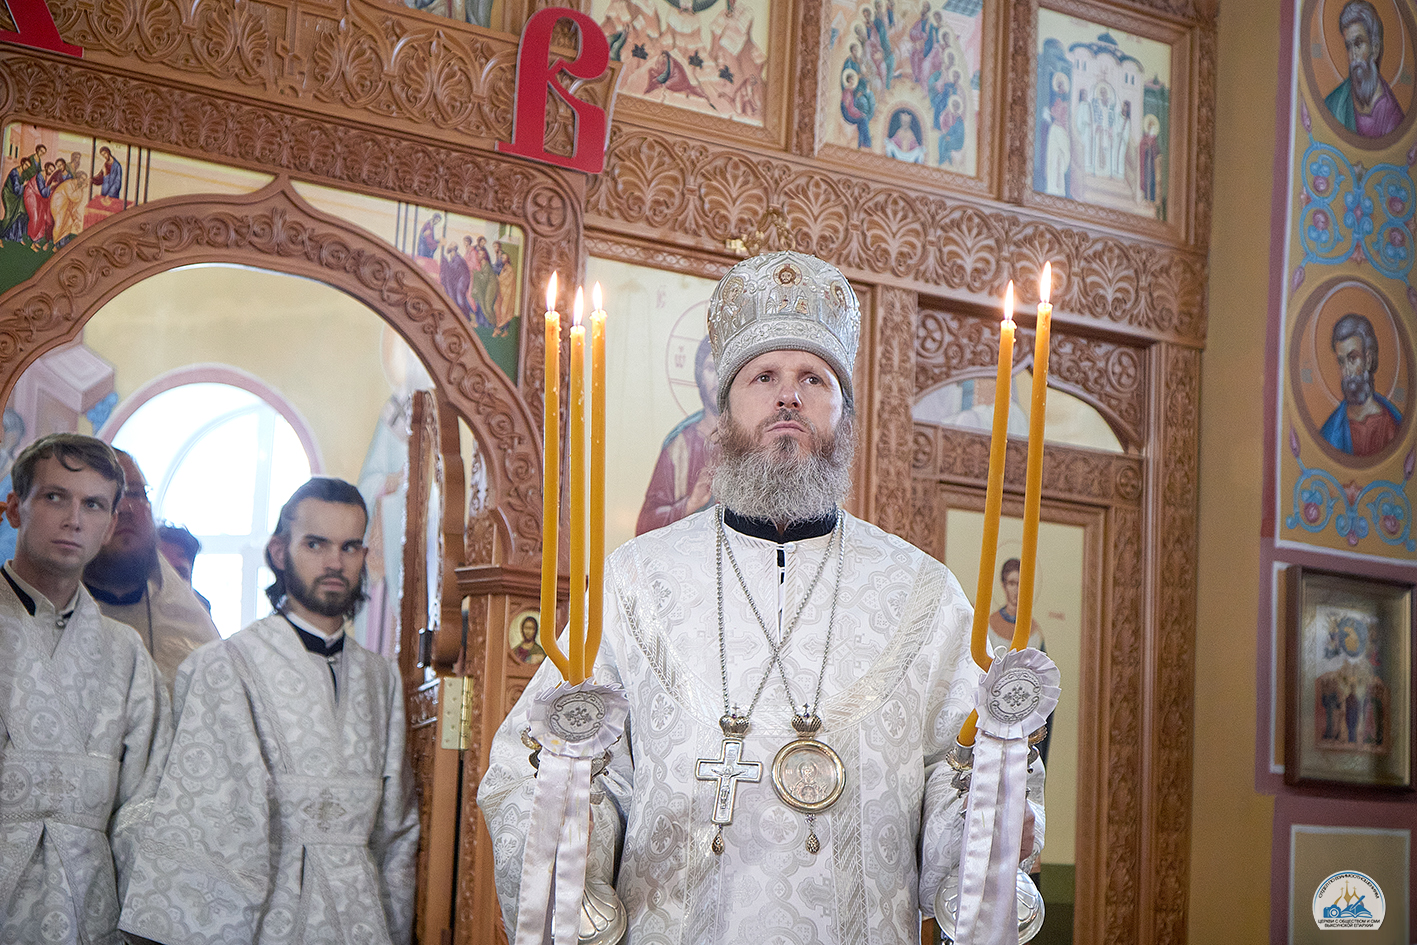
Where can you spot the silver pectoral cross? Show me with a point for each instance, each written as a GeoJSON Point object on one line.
{"type": "Point", "coordinates": [727, 769]}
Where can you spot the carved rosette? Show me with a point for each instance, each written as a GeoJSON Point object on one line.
{"type": "Point", "coordinates": [274, 229]}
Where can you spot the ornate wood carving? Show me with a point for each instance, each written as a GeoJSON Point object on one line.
{"type": "Point", "coordinates": [1174, 576]}
{"type": "Point", "coordinates": [1205, 128]}
{"type": "Point", "coordinates": [274, 229]}
{"type": "Point", "coordinates": [1111, 899]}
{"type": "Point", "coordinates": [803, 133]}
{"type": "Point", "coordinates": [949, 454]}
{"type": "Point", "coordinates": [892, 393]}
{"type": "Point", "coordinates": [927, 518]}
{"type": "Point", "coordinates": [386, 65]}
{"type": "Point", "coordinates": [1018, 124]}
{"type": "Point", "coordinates": [610, 246]}
{"type": "Point", "coordinates": [694, 195]}
{"type": "Point", "coordinates": [1108, 375]}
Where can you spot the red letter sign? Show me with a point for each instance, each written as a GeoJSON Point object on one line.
{"type": "Point", "coordinates": [34, 26]}
{"type": "Point", "coordinates": [535, 79]}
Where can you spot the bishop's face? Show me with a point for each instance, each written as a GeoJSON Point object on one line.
{"type": "Point", "coordinates": [786, 397]}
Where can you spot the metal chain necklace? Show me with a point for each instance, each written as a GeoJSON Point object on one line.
{"type": "Point", "coordinates": [807, 775]}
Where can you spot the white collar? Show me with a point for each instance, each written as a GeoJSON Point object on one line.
{"type": "Point", "coordinates": [310, 628]}
{"type": "Point", "coordinates": [38, 596]}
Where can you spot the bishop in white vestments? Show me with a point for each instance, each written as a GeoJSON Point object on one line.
{"type": "Point", "coordinates": [795, 675]}
{"type": "Point", "coordinates": [287, 811]}
{"type": "Point", "coordinates": [84, 717]}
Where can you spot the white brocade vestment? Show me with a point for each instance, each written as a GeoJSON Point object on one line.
{"type": "Point", "coordinates": [284, 815]}
{"type": "Point", "coordinates": [169, 618]}
{"type": "Point", "coordinates": [84, 730]}
{"type": "Point", "coordinates": [899, 681]}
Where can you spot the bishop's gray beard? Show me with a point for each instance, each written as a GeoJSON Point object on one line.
{"type": "Point", "coordinates": [782, 481]}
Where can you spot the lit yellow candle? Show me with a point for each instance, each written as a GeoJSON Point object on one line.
{"type": "Point", "coordinates": [993, 501]}
{"type": "Point", "coordinates": [551, 481]}
{"type": "Point", "coordinates": [597, 478]}
{"type": "Point", "coordinates": [994, 492]}
{"type": "Point", "coordinates": [1033, 490]}
{"type": "Point", "coordinates": [577, 490]}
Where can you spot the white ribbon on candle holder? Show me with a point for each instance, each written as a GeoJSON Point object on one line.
{"type": "Point", "coordinates": [575, 725]}
{"type": "Point", "coordinates": [1015, 699]}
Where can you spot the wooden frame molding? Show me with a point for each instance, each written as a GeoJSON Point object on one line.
{"type": "Point", "coordinates": [275, 229]}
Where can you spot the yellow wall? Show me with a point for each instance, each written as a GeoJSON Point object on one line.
{"type": "Point", "coordinates": [316, 346]}
{"type": "Point", "coordinates": [1231, 823]}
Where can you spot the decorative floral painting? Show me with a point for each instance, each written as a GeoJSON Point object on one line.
{"type": "Point", "coordinates": [902, 80]}
{"type": "Point", "coordinates": [1102, 125]}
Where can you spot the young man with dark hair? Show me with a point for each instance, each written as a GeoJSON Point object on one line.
{"type": "Point", "coordinates": [86, 721]}
{"type": "Point", "coordinates": [288, 803]}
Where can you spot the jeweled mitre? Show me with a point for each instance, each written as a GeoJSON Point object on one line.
{"type": "Point", "coordinates": [780, 301]}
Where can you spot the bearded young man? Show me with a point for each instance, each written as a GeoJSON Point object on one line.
{"type": "Point", "coordinates": [287, 809]}
{"type": "Point", "coordinates": [795, 675]}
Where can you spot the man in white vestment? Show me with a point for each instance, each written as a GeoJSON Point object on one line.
{"type": "Point", "coordinates": [795, 675]}
{"type": "Point", "coordinates": [287, 811]}
{"type": "Point", "coordinates": [136, 585]}
{"type": "Point", "coordinates": [84, 718]}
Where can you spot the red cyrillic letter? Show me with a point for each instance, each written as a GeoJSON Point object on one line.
{"type": "Point", "coordinates": [535, 79]}
{"type": "Point", "coordinates": [34, 27]}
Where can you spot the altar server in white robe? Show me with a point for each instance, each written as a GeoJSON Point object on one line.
{"type": "Point", "coordinates": [287, 811]}
{"type": "Point", "coordinates": [84, 716]}
{"type": "Point", "coordinates": [795, 675]}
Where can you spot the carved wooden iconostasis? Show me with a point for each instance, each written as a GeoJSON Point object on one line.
{"type": "Point", "coordinates": [931, 180]}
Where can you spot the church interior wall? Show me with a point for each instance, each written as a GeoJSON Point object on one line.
{"type": "Point", "coordinates": [676, 191]}
{"type": "Point", "coordinates": [318, 348]}
{"type": "Point", "coordinates": [1261, 845]}
{"type": "Point", "coordinates": [1230, 830]}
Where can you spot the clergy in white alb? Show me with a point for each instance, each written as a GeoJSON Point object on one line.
{"type": "Point", "coordinates": [287, 811]}
{"type": "Point", "coordinates": [135, 585]}
{"type": "Point", "coordinates": [795, 675]}
{"type": "Point", "coordinates": [84, 716]}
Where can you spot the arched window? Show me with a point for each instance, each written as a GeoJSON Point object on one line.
{"type": "Point", "coordinates": [220, 450]}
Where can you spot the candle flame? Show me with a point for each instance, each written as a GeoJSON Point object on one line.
{"type": "Point", "coordinates": [578, 306]}
{"type": "Point", "coordinates": [1009, 302]}
{"type": "Point", "coordinates": [595, 297]}
{"type": "Point", "coordinates": [551, 293]}
{"type": "Point", "coordinates": [1045, 284]}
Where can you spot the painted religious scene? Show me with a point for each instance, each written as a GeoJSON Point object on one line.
{"type": "Point", "coordinates": [657, 454]}
{"type": "Point", "coordinates": [57, 184]}
{"type": "Point", "coordinates": [1103, 116]}
{"type": "Point", "coordinates": [1346, 448]}
{"type": "Point", "coordinates": [707, 56]}
{"type": "Point", "coordinates": [1361, 68]}
{"type": "Point", "coordinates": [1352, 705]}
{"type": "Point", "coordinates": [903, 80]}
{"type": "Point", "coordinates": [478, 263]}
{"type": "Point", "coordinates": [484, 13]}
